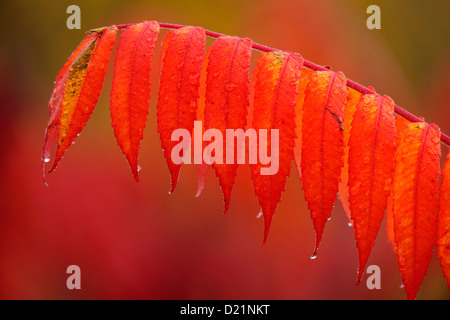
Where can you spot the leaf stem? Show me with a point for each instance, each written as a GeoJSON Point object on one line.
{"type": "Point", "coordinates": [313, 66]}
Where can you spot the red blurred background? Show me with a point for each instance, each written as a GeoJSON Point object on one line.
{"type": "Point", "coordinates": [134, 240]}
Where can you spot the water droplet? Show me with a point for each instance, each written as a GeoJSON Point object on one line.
{"type": "Point", "coordinates": [139, 168]}
{"type": "Point", "coordinates": [230, 86]}
{"type": "Point", "coordinates": [355, 188]}
{"type": "Point", "coordinates": [47, 159]}
{"type": "Point", "coordinates": [259, 215]}
{"type": "Point", "coordinates": [314, 255]}
{"type": "Point", "coordinates": [350, 224]}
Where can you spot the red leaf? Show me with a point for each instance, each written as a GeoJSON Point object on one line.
{"type": "Point", "coordinates": [276, 84]}
{"type": "Point", "coordinates": [82, 89]}
{"type": "Point", "coordinates": [415, 201]}
{"type": "Point", "coordinates": [303, 83]}
{"type": "Point", "coordinates": [372, 146]}
{"type": "Point", "coordinates": [227, 95]}
{"type": "Point", "coordinates": [443, 235]}
{"type": "Point", "coordinates": [322, 144]}
{"type": "Point", "coordinates": [131, 88]}
{"type": "Point", "coordinates": [182, 57]}
{"type": "Point", "coordinates": [55, 103]}
{"type": "Point", "coordinates": [400, 124]}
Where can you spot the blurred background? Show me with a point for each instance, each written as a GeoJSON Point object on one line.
{"type": "Point", "coordinates": [134, 240]}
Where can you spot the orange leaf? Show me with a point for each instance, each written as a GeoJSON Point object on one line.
{"type": "Point", "coordinates": [227, 95]}
{"type": "Point", "coordinates": [372, 146]}
{"type": "Point", "coordinates": [130, 92]}
{"type": "Point", "coordinates": [400, 125]}
{"type": "Point", "coordinates": [443, 236]}
{"type": "Point", "coordinates": [275, 83]}
{"type": "Point", "coordinates": [322, 144]}
{"type": "Point", "coordinates": [353, 98]}
{"type": "Point", "coordinates": [415, 201]}
{"type": "Point", "coordinates": [55, 103]}
{"type": "Point", "coordinates": [82, 89]}
{"type": "Point", "coordinates": [182, 57]}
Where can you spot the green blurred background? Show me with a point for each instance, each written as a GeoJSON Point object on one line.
{"type": "Point", "coordinates": [134, 240]}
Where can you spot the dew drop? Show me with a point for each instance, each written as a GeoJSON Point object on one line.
{"type": "Point", "coordinates": [259, 215]}
{"type": "Point", "coordinates": [230, 87]}
{"type": "Point", "coordinates": [47, 159]}
{"type": "Point", "coordinates": [313, 256]}
{"type": "Point", "coordinates": [139, 168]}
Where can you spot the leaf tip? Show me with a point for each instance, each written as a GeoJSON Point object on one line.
{"type": "Point", "coordinates": [360, 274]}
{"type": "Point", "coordinates": [226, 205]}
{"type": "Point", "coordinates": [54, 165]}
{"type": "Point", "coordinates": [267, 223]}
{"type": "Point", "coordinates": [173, 185]}
{"type": "Point", "coordinates": [316, 245]}
{"type": "Point", "coordinates": [135, 168]}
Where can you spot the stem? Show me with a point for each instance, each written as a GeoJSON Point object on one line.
{"type": "Point", "coordinates": [313, 66]}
